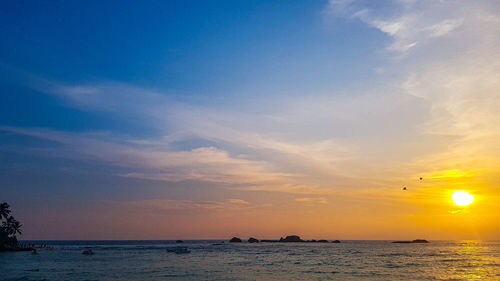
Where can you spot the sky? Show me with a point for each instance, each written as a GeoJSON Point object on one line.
{"type": "Point", "coordinates": [213, 119]}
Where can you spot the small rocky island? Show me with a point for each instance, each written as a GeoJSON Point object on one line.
{"type": "Point", "coordinates": [413, 241]}
{"type": "Point", "coordinates": [235, 240]}
{"type": "Point", "coordinates": [289, 238]}
{"type": "Point", "coordinates": [253, 240]}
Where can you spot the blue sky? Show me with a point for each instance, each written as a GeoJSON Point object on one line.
{"type": "Point", "coordinates": [193, 51]}
{"type": "Point", "coordinates": [180, 111]}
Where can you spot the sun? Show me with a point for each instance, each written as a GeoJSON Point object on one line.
{"type": "Point", "coordinates": [462, 198]}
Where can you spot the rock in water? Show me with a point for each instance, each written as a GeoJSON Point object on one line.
{"type": "Point", "coordinates": [420, 241]}
{"type": "Point", "coordinates": [253, 240]}
{"type": "Point", "coordinates": [336, 241]}
{"type": "Point", "coordinates": [291, 238]}
{"type": "Point", "coordinates": [413, 241]}
{"type": "Point", "coordinates": [179, 241]}
{"type": "Point", "coordinates": [235, 239]}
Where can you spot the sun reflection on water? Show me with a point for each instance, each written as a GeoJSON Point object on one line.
{"type": "Point", "coordinates": [471, 261]}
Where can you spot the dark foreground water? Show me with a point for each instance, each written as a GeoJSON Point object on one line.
{"type": "Point", "coordinates": [349, 260]}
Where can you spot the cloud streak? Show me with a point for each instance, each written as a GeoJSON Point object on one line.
{"type": "Point", "coordinates": [408, 23]}
{"type": "Point", "coordinates": [312, 200]}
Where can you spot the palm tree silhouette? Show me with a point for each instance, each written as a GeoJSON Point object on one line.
{"type": "Point", "coordinates": [12, 226]}
{"type": "Point", "coordinates": [8, 229]}
{"type": "Point", "coordinates": [4, 210]}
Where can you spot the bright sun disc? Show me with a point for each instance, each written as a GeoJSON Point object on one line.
{"type": "Point", "coordinates": [462, 198]}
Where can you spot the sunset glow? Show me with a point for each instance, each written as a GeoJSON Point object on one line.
{"type": "Point", "coordinates": [462, 198]}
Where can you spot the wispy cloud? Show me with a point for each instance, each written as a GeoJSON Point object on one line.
{"type": "Point", "coordinates": [307, 146]}
{"type": "Point", "coordinates": [153, 161]}
{"type": "Point", "coordinates": [239, 202]}
{"type": "Point", "coordinates": [408, 23]}
{"type": "Point", "coordinates": [165, 205]}
{"type": "Point", "coordinates": [453, 69]}
{"type": "Point", "coordinates": [176, 205]}
{"type": "Point", "coordinates": [312, 200]}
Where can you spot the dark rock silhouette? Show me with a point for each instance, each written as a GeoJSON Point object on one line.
{"type": "Point", "coordinates": [179, 241]}
{"type": "Point", "coordinates": [295, 238]}
{"type": "Point", "coordinates": [253, 240]}
{"type": "Point", "coordinates": [235, 240]}
{"type": "Point", "coordinates": [291, 238]}
{"type": "Point", "coordinates": [420, 241]}
{"type": "Point", "coordinates": [413, 241]}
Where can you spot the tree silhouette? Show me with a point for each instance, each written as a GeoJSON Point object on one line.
{"type": "Point", "coordinates": [4, 210]}
{"type": "Point", "coordinates": [8, 229]}
{"type": "Point", "coordinates": [12, 226]}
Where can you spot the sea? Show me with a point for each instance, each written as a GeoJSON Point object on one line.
{"type": "Point", "coordinates": [220, 260]}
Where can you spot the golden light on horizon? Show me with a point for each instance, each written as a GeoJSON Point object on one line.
{"type": "Point", "coordinates": [462, 198]}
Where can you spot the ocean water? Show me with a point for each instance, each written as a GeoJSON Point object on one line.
{"type": "Point", "coordinates": [349, 260]}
